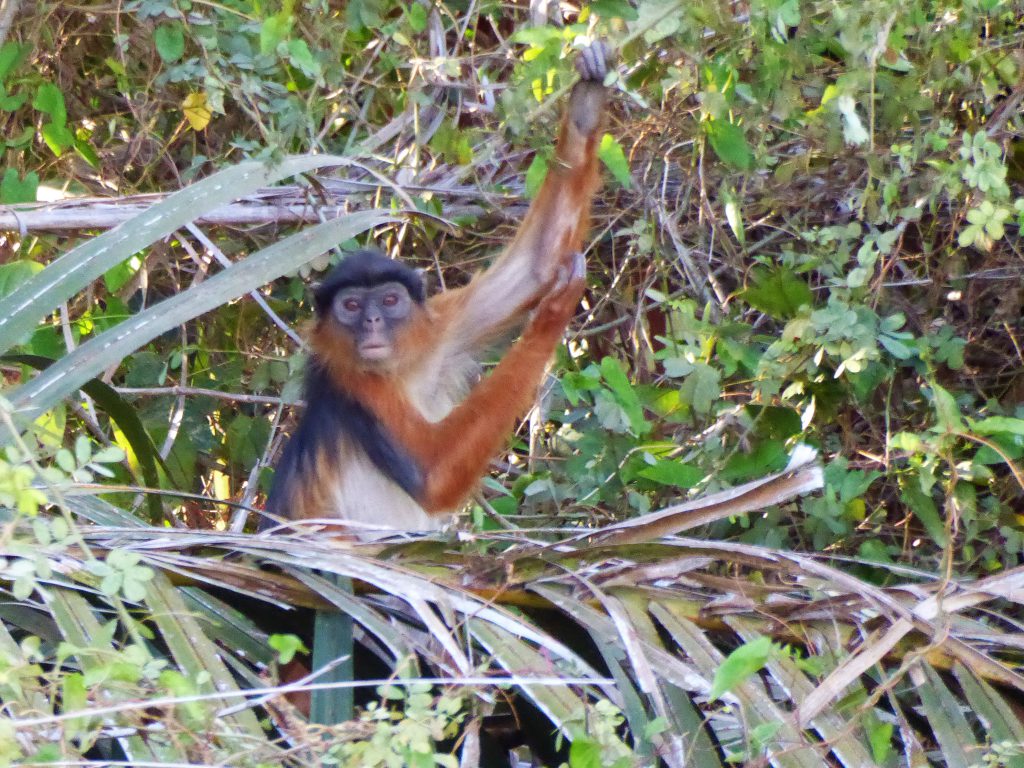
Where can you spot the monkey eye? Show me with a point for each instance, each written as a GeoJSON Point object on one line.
{"type": "Point", "coordinates": [390, 299]}
{"type": "Point", "coordinates": [350, 305]}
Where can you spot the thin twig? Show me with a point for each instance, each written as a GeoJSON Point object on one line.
{"type": "Point", "coordinates": [255, 295]}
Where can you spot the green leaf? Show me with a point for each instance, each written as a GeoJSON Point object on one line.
{"type": "Point", "coordinates": [9, 103]}
{"type": "Point", "coordinates": [729, 143]}
{"type": "Point", "coordinates": [614, 9]}
{"type": "Point", "coordinates": [778, 292]}
{"type": "Point", "coordinates": [274, 31]}
{"type": "Point", "coordinates": [363, 14]}
{"type": "Point", "coordinates": [537, 37]}
{"type": "Point", "coordinates": [1010, 447]}
{"type": "Point", "coordinates": [734, 215]}
{"type": "Point", "coordinates": [946, 410]}
{"type": "Point", "coordinates": [86, 152]}
{"type": "Point", "coordinates": [739, 665]}
{"type": "Point", "coordinates": [75, 698]}
{"type": "Point", "coordinates": [993, 425]}
{"type": "Point", "coordinates": [535, 175]}
{"type": "Point", "coordinates": [701, 388]}
{"type": "Point", "coordinates": [133, 590]}
{"type": "Point", "coordinates": [895, 347]}
{"type": "Point", "coordinates": [57, 138]}
{"type": "Point", "coordinates": [659, 19]}
{"type": "Point", "coordinates": [50, 101]}
{"type": "Point", "coordinates": [286, 646]}
{"type": "Point", "coordinates": [169, 39]}
{"type": "Point", "coordinates": [924, 509]}
{"type": "Point", "coordinates": [584, 753]}
{"type": "Point", "coordinates": [615, 378]}
{"type": "Point", "coordinates": [12, 54]}
{"type": "Point", "coordinates": [767, 456]}
{"type": "Point", "coordinates": [611, 154]}
{"type": "Point", "coordinates": [417, 16]}
{"type": "Point", "coordinates": [118, 276]}
{"type": "Point", "coordinates": [17, 272]}
{"type": "Point", "coordinates": [674, 473]}
{"type": "Point", "coordinates": [17, 190]}
{"type": "Point", "coordinates": [246, 438]}
{"type": "Point", "coordinates": [301, 57]}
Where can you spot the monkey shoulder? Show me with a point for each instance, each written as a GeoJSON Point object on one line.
{"type": "Point", "coordinates": [442, 383]}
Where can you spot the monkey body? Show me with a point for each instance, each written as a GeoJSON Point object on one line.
{"type": "Point", "coordinates": [399, 426]}
{"type": "Point", "coordinates": [349, 484]}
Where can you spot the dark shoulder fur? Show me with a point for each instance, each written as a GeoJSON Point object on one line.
{"type": "Point", "coordinates": [329, 413]}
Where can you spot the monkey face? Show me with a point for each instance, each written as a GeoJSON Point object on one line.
{"type": "Point", "coordinates": [373, 316]}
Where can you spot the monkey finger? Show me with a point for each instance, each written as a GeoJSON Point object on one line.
{"type": "Point", "coordinates": [592, 61]}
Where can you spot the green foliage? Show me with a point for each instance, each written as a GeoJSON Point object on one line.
{"type": "Point", "coordinates": [611, 154]}
{"type": "Point", "coordinates": [809, 232]}
{"type": "Point", "coordinates": [740, 665]}
{"type": "Point", "coordinates": [406, 723]}
{"type": "Point", "coordinates": [286, 646]}
{"type": "Point", "coordinates": [596, 743]}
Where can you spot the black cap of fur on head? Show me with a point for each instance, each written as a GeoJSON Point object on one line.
{"type": "Point", "coordinates": [365, 269]}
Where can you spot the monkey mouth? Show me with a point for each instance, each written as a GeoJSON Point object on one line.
{"type": "Point", "coordinates": [375, 350]}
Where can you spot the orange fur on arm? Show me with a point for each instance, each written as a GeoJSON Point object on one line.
{"type": "Point", "coordinates": [553, 230]}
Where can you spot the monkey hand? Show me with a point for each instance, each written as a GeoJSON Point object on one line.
{"type": "Point", "coordinates": [586, 104]}
{"type": "Point", "coordinates": [559, 303]}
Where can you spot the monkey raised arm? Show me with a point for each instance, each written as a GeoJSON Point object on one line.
{"type": "Point", "coordinates": [553, 229]}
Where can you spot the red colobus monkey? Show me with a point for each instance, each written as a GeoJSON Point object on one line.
{"type": "Point", "coordinates": [398, 429]}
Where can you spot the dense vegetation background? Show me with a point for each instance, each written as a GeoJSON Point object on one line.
{"type": "Point", "coordinates": [808, 233]}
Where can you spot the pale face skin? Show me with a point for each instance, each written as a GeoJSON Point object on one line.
{"type": "Point", "coordinates": [373, 315]}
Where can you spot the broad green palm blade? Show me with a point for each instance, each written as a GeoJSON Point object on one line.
{"type": "Point", "coordinates": [110, 347]}
{"type": "Point", "coordinates": [196, 653]}
{"type": "Point", "coordinates": [945, 716]}
{"type": "Point", "coordinates": [559, 704]}
{"type": "Point", "coordinates": [232, 628]}
{"type": "Point", "coordinates": [72, 272]}
{"type": "Point", "coordinates": [677, 709]}
{"type": "Point", "coordinates": [362, 612]}
{"type": "Point", "coordinates": [1001, 723]}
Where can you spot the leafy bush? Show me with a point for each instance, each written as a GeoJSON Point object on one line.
{"type": "Point", "coordinates": [809, 233]}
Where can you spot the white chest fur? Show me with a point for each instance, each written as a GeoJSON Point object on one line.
{"type": "Point", "coordinates": [365, 496]}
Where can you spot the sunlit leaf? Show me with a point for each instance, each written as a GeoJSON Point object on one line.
{"type": "Point", "coordinates": [197, 111]}
{"type": "Point", "coordinates": [739, 665]}
{"type": "Point", "coordinates": [611, 154]}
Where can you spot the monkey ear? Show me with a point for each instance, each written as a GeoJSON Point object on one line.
{"type": "Point", "coordinates": [422, 273]}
